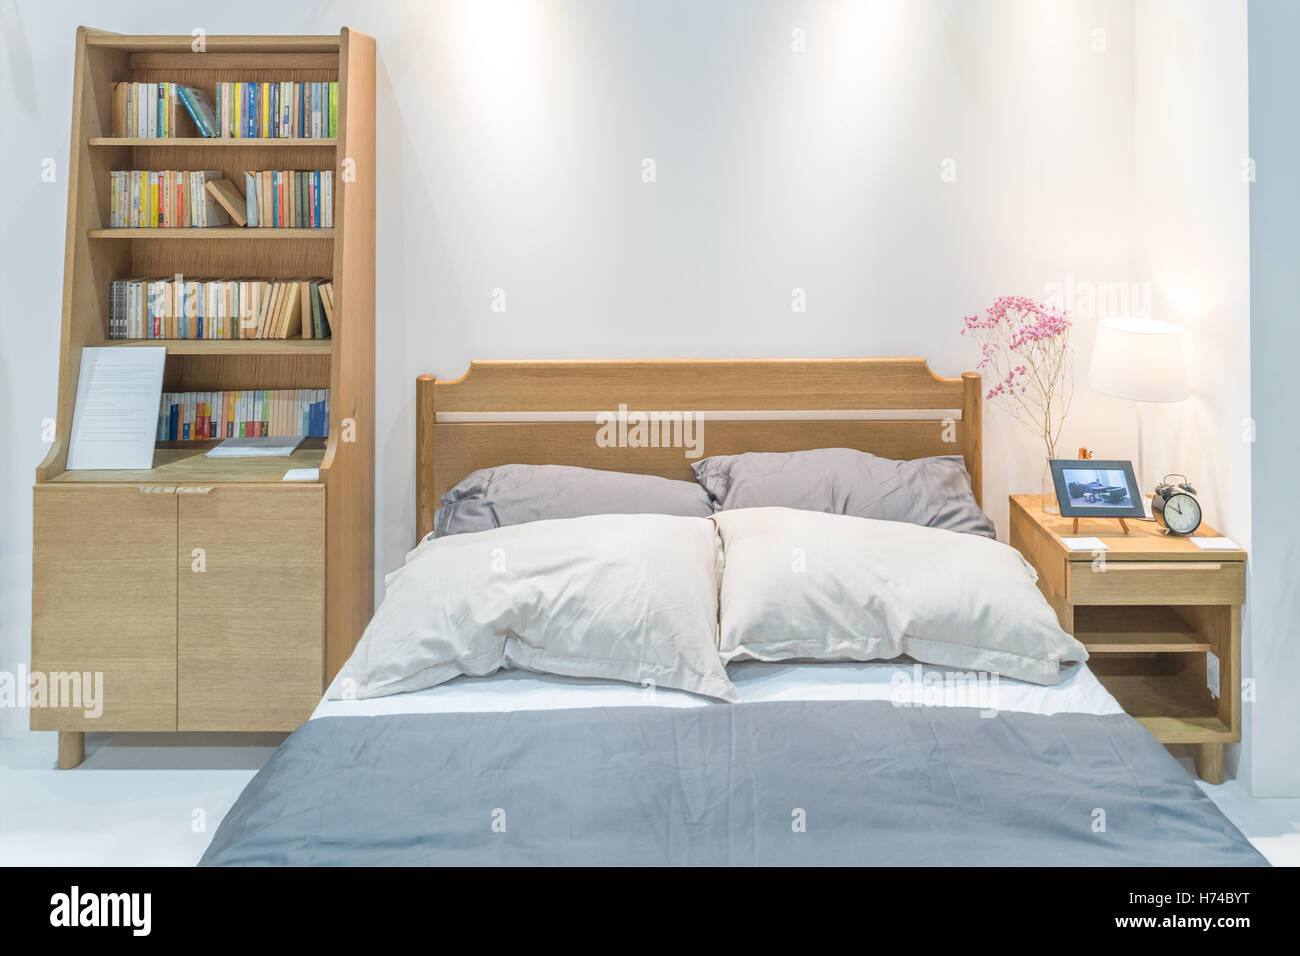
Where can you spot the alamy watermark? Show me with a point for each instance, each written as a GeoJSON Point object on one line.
{"type": "Point", "coordinates": [945, 688]}
{"type": "Point", "coordinates": [625, 429]}
{"type": "Point", "coordinates": [72, 690]}
{"type": "Point", "coordinates": [1086, 299]}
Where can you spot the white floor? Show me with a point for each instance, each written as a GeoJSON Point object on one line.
{"type": "Point", "coordinates": [146, 799]}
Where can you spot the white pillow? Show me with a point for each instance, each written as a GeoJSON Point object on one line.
{"type": "Point", "coordinates": [622, 597]}
{"type": "Point", "coordinates": [813, 586]}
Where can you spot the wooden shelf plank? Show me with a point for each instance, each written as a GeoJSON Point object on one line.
{"type": "Point", "coordinates": [226, 346]}
{"type": "Point", "coordinates": [1135, 630]}
{"type": "Point", "coordinates": [221, 141]}
{"type": "Point", "coordinates": [211, 233]}
{"type": "Point", "coordinates": [263, 44]}
{"type": "Point", "coordinates": [187, 464]}
{"type": "Point", "coordinates": [1188, 730]}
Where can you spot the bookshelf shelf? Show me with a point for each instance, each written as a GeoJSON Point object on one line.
{"type": "Point", "coordinates": [177, 653]}
{"type": "Point", "coordinates": [229, 346]}
{"type": "Point", "coordinates": [219, 142]}
{"type": "Point", "coordinates": [188, 462]}
{"type": "Point", "coordinates": [189, 234]}
{"type": "Point", "coordinates": [261, 45]}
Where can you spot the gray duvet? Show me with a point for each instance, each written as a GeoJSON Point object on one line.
{"type": "Point", "coordinates": [826, 782]}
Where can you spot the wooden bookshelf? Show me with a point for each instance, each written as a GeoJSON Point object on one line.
{"type": "Point", "coordinates": [249, 643]}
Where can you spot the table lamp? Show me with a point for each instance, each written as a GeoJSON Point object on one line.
{"type": "Point", "coordinates": [1141, 360]}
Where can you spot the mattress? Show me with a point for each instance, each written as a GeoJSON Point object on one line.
{"type": "Point", "coordinates": [901, 681]}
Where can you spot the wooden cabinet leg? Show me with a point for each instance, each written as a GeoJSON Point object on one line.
{"type": "Point", "coordinates": [72, 748]}
{"type": "Point", "coordinates": [1209, 762]}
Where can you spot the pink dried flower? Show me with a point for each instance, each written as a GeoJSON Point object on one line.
{"type": "Point", "coordinates": [1024, 346]}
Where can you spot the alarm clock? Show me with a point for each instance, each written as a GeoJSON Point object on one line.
{"type": "Point", "coordinates": [1174, 506]}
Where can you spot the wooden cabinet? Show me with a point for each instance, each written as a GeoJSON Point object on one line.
{"type": "Point", "coordinates": [250, 606]}
{"type": "Point", "coordinates": [1160, 618]}
{"type": "Point", "coordinates": [192, 607]}
{"type": "Point", "coordinates": [104, 607]}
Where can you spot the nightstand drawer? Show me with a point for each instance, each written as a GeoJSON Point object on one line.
{"type": "Point", "coordinates": [1164, 582]}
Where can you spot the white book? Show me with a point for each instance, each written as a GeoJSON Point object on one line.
{"type": "Point", "coordinates": [250, 199]}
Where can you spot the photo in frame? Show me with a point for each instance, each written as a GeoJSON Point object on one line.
{"type": "Point", "coordinates": [1091, 488]}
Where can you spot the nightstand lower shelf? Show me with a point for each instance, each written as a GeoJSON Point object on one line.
{"type": "Point", "coordinates": [1168, 701]}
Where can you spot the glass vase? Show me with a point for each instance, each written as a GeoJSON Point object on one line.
{"type": "Point", "coordinates": [1050, 506]}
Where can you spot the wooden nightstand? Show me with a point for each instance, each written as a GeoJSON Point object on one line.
{"type": "Point", "coordinates": [1158, 616]}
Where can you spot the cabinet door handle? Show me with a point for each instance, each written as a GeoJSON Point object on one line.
{"type": "Point", "coordinates": [1163, 566]}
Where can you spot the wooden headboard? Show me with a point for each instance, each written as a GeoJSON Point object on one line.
{"type": "Point", "coordinates": [554, 412]}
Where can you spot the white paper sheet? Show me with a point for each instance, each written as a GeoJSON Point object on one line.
{"type": "Point", "coordinates": [1085, 544]}
{"type": "Point", "coordinates": [259, 446]}
{"type": "Point", "coordinates": [1216, 544]}
{"type": "Point", "coordinates": [302, 474]}
{"type": "Point", "coordinates": [115, 420]}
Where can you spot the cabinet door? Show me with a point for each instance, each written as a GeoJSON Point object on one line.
{"type": "Point", "coordinates": [104, 606]}
{"type": "Point", "coordinates": [250, 606]}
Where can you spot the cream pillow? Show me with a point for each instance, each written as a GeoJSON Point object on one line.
{"type": "Point", "coordinates": [813, 586]}
{"type": "Point", "coordinates": [621, 597]}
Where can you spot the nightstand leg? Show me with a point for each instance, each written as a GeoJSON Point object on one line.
{"type": "Point", "coordinates": [1209, 762]}
{"type": "Point", "coordinates": [72, 748]}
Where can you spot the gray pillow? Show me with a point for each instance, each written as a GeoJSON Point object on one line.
{"type": "Point", "coordinates": [513, 494]}
{"type": "Point", "coordinates": [934, 492]}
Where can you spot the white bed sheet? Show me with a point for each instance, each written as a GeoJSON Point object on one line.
{"type": "Point", "coordinates": [1078, 692]}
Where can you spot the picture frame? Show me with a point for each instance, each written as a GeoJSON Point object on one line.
{"type": "Point", "coordinates": [1092, 488]}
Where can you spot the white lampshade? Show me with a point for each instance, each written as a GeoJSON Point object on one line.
{"type": "Point", "coordinates": [1139, 359]}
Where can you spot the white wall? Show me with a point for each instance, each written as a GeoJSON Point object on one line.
{"type": "Point", "coordinates": [511, 144]}
{"type": "Point", "coordinates": [1193, 228]}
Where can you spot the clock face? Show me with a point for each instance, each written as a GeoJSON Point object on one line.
{"type": "Point", "coordinates": [1182, 514]}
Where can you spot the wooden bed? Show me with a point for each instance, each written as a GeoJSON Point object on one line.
{"type": "Point", "coordinates": [545, 412]}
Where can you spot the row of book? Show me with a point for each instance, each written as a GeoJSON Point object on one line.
{"type": "Point", "coordinates": [180, 308]}
{"type": "Point", "coordinates": [292, 198]}
{"type": "Point", "coordinates": [277, 109]}
{"type": "Point", "coordinates": [202, 416]}
{"type": "Point", "coordinates": [145, 199]}
{"type": "Point", "coordinates": [157, 110]}
{"type": "Point", "coordinates": [169, 198]}
{"type": "Point", "coordinates": [251, 110]}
